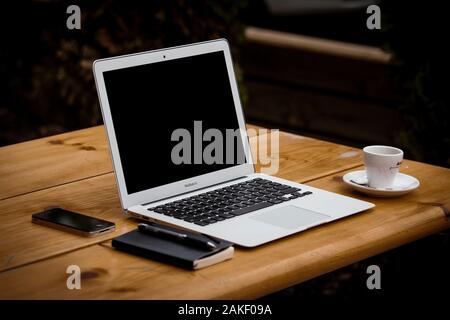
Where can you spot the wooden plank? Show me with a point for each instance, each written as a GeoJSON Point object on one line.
{"type": "Point", "coordinates": [287, 82]}
{"type": "Point", "coordinates": [277, 58]}
{"type": "Point", "coordinates": [317, 45]}
{"type": "Point", "coordinates": [301, 159]}
{"type": "Point", "coordinates": [115, 275]}
{"type": "Point", "coordinates": [24, 242]}
{"type": "Point", "coordinates": [52, 161]}
{"type": "Point", "coordinates": [324, 114]}
{"type": "Point", "coordinates": [56, 160]}
{"type": "Point", "coordinates": [326, 73]}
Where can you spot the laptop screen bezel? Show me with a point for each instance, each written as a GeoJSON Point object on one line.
{"type": "Point", "coordinates": [185, 185]}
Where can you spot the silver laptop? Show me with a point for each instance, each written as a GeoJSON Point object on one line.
{"type": "Point", "coordinates": [181, 153]}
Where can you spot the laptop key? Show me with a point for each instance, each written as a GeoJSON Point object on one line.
{"type": "Point", "coordinates": [290, 190]}
{"type": "Point", "coordinates": [209, 220]}
{"type": "Point", "coordinates": [281, 187]}
{"type": "Point", "coordinates": [275, 201]}
{"type": "Point", "coordinates": [201, 223]}
{"type": "Point", "coordinates": [225, 215]}
{"type": "Point", "coordinates": [248, 209]}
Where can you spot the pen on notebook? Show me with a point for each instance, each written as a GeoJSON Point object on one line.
{"type": "Point", "coordinates": [175, 235]}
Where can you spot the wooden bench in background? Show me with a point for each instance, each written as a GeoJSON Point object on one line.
{"type": "Point", "coordinates": [335, 90]}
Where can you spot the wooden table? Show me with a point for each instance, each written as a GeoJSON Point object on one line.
{"type": "Point", "coordinates": [73, 170]}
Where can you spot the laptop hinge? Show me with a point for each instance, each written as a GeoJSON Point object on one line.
{"type": "Point", "coordinates": [180, 194]}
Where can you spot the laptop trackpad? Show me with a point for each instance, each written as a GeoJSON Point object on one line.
{"type": "Point", "coordinates": [290, 217]}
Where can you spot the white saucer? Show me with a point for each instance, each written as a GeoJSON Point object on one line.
{"type": "Point", "coordinates": [402, 184]}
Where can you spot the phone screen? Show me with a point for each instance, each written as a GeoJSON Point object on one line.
{"type": "Point", "coordinates": [73, 220]}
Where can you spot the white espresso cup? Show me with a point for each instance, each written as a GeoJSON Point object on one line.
{"type": "Point", "coordinates": [382, 165]}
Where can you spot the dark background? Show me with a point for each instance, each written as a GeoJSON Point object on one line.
{"type": "Point", "coordinates": [47, 87]}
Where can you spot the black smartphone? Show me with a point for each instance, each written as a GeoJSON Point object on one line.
{"type": "Point", "coordinates": [78, 223]}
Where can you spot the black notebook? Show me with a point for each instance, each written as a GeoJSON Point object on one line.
{"type": "Point", "coordinates": [173, 252]}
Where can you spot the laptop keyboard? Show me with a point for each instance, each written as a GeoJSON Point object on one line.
{"type": "Point", "coordinates": [229, 202]}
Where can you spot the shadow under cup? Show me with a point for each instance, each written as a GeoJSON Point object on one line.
{"type": "Point", "coordinates": [382, 165]}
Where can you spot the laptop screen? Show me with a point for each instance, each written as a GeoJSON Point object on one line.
{"type": "Point", "coordinates": [174, 120]}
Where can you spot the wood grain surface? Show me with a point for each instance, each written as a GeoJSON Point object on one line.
{"type": "Point", "coordinates": [86, 184]}
{"type": "Point", "coordinates": [252, 273]}
{"type": "Point", "coordinates": [43, 163]}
